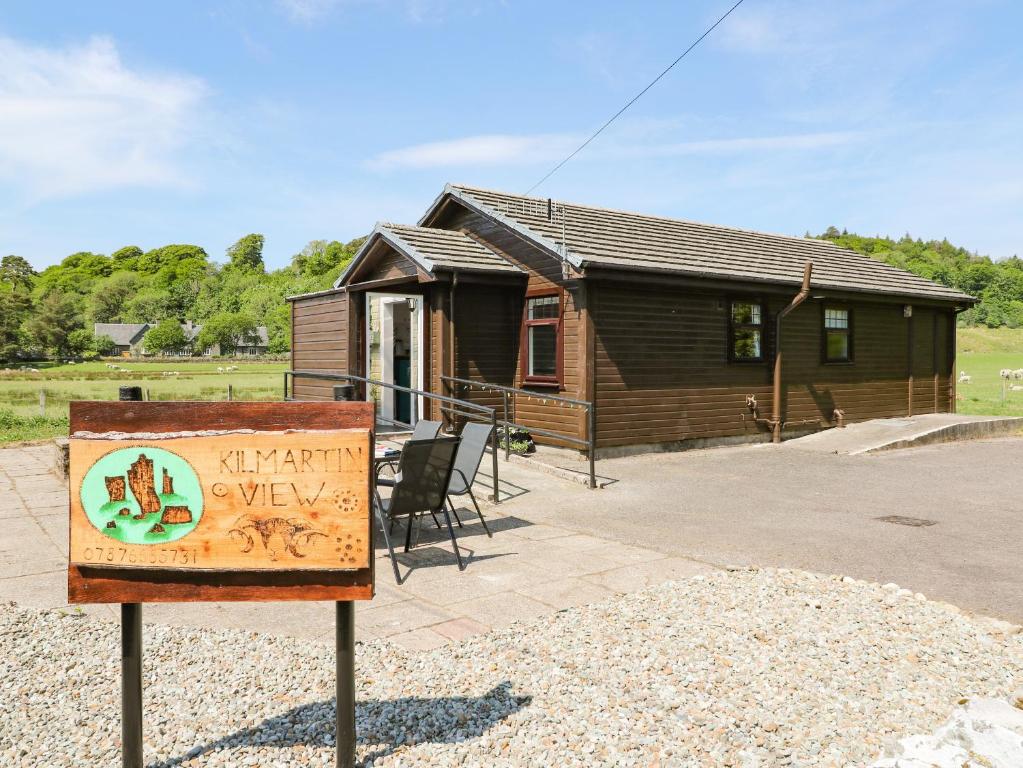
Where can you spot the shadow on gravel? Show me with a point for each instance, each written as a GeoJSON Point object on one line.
{"type": "Point", "coordinates": [382, 726]}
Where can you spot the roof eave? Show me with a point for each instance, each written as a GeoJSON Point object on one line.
{"type": "Point", "coordinates": [701, 275]}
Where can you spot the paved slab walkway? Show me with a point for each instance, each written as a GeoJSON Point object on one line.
{"type": "Point", "coordinates": [526, 570]}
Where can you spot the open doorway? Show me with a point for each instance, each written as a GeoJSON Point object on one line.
{"type": "Point", "coordinates": [395, 354]}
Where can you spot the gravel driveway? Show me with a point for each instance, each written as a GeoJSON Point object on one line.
{"type": "Point", "coordinates": [746, 668]}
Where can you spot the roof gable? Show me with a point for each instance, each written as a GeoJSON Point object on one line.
{"type": "Point", "coordinates": [591, 237]}
{"type": "Point", "coordinates": [429, 250]}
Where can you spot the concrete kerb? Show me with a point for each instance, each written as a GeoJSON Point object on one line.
{"type": "Point", "coordinates": [967, 430]}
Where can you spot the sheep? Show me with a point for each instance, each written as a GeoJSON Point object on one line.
{"type": "Point", "coordinates": [1016, 388]}
{"type": "Point", "coordinates": [964, 377]}
{"type": "Point", "coordinates": [1018, 373]}
{"type": "Point", "coordinates": [220, 369]}
{"type": "Point", "coordinates": [1005, 373]}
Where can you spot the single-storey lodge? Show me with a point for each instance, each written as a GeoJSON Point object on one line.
{"type": "Point", "coordinates": [671, 328]}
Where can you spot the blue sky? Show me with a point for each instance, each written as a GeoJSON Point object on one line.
{"type": "Point", "coordinates": [128, 123]}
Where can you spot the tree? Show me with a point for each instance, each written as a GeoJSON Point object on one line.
{"type": "Point", "coordinates": [109, 299]}
{"type": "Point", "coordinates": [17, 272]}
{"type": "Point", "coordinates": [228, 330]}
{"type": "Point", "coordinates": [81, 343]}
{"type": "Point", "coordinates": [56, 316]}
{"type": "Point", "coordinates": [168, 337]}
{"type": "Point", "coordinates": [150, 305]}
{"type": "Point", "coordinates": [247, 254]}
{"type": "Point", "coordinates": [126, 258]}
{"type": "Point", "coordinates": [14, 308]}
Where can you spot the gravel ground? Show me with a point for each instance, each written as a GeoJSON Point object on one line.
{"type": "Point", "coordinates": [748, 668]}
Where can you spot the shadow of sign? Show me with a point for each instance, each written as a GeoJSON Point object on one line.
{"type": "Point", "coordinates": [382, 726]}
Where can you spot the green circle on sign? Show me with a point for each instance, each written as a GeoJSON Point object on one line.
{"type": "Point", "coordinates": [142, 495]}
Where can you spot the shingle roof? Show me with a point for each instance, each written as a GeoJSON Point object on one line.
{"type": "Point", "coordinates": [448, 249]}
{"type": "Point", "coordinates": [123, 334]}
{"type": "Point", "coordinates": [432, 249]}
{"type": "Point", "coordinates": [600, 237]}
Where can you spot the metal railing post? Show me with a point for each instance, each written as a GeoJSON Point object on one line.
{"type": "Point", "coordinates": [592, 430]}
{"type": "Point", "coordinates": [504, 418]}
{"type": "Point", "coordinates": [131, 660]}
{"type": "Point", "coordinates": [286, 385]}
{"type": "Point", "coordinates": [493, 451]}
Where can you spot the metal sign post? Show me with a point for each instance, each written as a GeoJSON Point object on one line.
{"type": "Point", "coordinates": [344, 635]}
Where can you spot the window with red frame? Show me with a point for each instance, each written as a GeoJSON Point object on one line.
{"type": "Point", "coordinates": [542, 334]}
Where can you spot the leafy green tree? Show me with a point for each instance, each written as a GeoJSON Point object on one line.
{"type": "Point", "coordinates": [104, 345]}
{"type": "Point", "coordinates": [167, 337]}
{"type": "Point", "coordinates": [320, 257]}
{"type": "Point", "coordinates": [17, 272]}
{"type": "Point", "coordinates": [148, 306]}
{"type": "Point", "coordinates": [110, 296]}
{"type": "Point", "coordinates": [81, 343]}
{"type": "Point", "coordinates": [126, 258]}
{"type": "Point", "coordinates": [75, 274]}
{"type": "Point", "coordinates": [56, 316]}
{"type": "Point", "coordinates": [278, 330]}
{"type": "Point", "coordinates": [228, 330]}
{"type": "Point", "coordinates": [246, 255]}
{"type": "Point", "coordinates": [14, 309]}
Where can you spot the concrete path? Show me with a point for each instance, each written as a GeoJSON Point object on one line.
{"type": "Point", "coordinates": [959, 539]}
{"type": "Point", "coordinates": [908, 432]}
{"type": "Point", "coordinates": [526, 570]}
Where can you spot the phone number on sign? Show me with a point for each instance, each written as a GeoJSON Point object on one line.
{"type": "Point", "coordinates": [149, 556]}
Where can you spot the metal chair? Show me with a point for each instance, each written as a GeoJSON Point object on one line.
{"type": "Point", "coordinates": [424, 430]}
{"type": "Point", "coordinates": [475, 438]}
{"type": "Point", "coordinates": [424, 472]}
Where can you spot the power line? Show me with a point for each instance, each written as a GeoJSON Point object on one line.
{"type": "Point", "coordinates": [635, 98]}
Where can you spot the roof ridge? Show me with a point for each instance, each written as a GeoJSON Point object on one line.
{"type": "Point", "coordinates": [656, 217]}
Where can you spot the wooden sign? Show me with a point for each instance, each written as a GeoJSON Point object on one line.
{"type": "Point", "coordinates": [220, 501]}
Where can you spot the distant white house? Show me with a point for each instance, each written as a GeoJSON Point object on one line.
{"type": "Point", "coordinates": [129, 339]}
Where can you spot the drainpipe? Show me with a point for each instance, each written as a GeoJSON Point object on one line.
{"type": "Point", "coordinates": [798, 299]}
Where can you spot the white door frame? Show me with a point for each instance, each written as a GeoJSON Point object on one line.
{"type": "Point", "coordinates": [387, 347]}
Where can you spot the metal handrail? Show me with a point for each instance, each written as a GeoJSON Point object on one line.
{"type": "Point", "coordinates": [476, 409]}
{"type": "Point", "coordinates": [589, 442]}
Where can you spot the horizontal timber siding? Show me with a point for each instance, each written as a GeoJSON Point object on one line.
{"type": "Point", "coordinates": [319, 342]}
{"type": "Point", "coordinates": [663, 374]}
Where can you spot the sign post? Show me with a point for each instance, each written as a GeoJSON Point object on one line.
{"type": "Point", "coordinates": [221, 501]}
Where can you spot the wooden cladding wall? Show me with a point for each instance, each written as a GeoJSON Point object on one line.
{"type": "Point", "coordinates": [663, 375]}
{"type": "Point", "coordinates": [319, 342]}
{"type": "Point", "coordinates": [475, 330]}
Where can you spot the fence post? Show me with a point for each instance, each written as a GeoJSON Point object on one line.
{"type": "Point", "coordinates": [285, 385]}
{"type": "Point", "coordinates": [42, 402]}
{"type": "Point", "coordinates": [230, 392]}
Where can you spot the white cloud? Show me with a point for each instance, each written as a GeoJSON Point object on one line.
{"type": "Point", "coordinates": [76, 119]}
{"type": "Point", "coordinates": [485, 150]}
{"type": "Point", "coordinates": [306, 11]}
{"type": "Point", "coordinates": [509, 150]}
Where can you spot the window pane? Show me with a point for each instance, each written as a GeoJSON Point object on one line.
{"type": "Point", "coordinates": [747, 345]}
{"type": "Point", "coordinates": [837, 345]}
{"type": "Point", "coordinates": [836, 318]}
{"type": "Point", "coordinates": [745, 313]}
{"type": "Point", "coordinates": [543, 348]}
{"type": "Point", "coordinates": [543, 308]}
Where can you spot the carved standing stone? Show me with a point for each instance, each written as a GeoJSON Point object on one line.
{"type": "Point", "coordinates": [115, 487]}
{"type": "Point", "coordinates": [168, 482]}
{"type": "Point", "coordinates": [176, 514]}
{"type": "Point", "coordinates": [140, 480]}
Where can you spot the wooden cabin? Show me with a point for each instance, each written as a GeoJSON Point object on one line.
{"type": "Point", "coordinates": [668, 326]}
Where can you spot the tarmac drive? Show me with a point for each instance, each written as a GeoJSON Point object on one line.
{"type": "Point", "coordinates": [777, 506]}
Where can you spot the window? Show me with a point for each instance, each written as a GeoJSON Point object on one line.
{"type": "Point", "coordinates": [837, 335]}
{"type": "Point", "coordinates": [747, 332]}
{"type": "Point", "coordinates": [542, 333]}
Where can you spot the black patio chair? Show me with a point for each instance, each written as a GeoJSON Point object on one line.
{"type": "Point", "coordinates": [424, 430]}
{"type": "Point", "coordinates": [424, 472]}
{"type": "Point", "coordinates": [475, 438]}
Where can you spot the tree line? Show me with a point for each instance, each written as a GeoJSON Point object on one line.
{"type": "Point", "coordinates": [52, 312]}
{"type": "Point", "coordinates": [998, 284]}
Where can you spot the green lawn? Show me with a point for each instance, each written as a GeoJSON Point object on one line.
{"type": "Point", "coordinates": [20, 417]}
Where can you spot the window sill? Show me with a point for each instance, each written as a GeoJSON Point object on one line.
{"type": "Point", "coordinates": [838, 362]}
{"type": "Point", "coordinates": [747, 361]}
{"type": "Point", "coordinates": [541, 384]}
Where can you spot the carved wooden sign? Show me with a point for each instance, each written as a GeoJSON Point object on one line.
{"type": "Point", "coordinates": [266, 497]}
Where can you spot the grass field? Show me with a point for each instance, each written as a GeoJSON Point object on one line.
{"type": "Point", "coordinates": [982, 353]}
{"type": "Point", "coordinates": [21, 418]}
